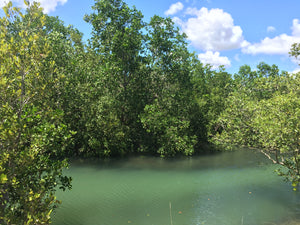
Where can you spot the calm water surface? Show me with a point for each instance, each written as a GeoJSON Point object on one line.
{"type": "Point", "coordinates": [232, 188]}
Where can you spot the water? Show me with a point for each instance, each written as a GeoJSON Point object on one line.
{"type": "Point", "coordinates": [232, 188]}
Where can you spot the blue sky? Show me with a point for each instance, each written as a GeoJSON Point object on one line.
{"type": "Point", "coordinates": [228, 32]}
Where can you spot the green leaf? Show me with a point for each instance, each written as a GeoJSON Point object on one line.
{"type": "Point", "coordinates": [3, 178]}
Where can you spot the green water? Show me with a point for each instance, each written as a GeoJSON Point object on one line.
{"type": "Point", "coordinates": [235, 188]}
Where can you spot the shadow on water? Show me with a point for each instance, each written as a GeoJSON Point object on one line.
{"type": "Point", "coordinates": [232, 159]}
{"type": "Point", "coordinates": [230, 188]}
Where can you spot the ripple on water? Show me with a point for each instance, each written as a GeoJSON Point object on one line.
{"type": "Point", "coordinates": [225, 189]}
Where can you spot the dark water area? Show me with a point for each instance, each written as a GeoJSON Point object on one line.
{"type": "Point", "coordinates": [229, 188]}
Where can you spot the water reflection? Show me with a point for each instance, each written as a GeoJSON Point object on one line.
{"type": "Point", "coordinates": [236, 159]}
{"type": "Point", "coordinates": [228, 188]}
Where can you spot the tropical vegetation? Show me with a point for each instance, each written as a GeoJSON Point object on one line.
{"type": "Point", "coordinates": [134, 88]}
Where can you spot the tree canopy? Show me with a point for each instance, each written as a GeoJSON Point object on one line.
{"type": "Point", "coordinates": [134, 88]}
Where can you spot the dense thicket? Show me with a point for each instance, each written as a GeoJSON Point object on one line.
{"type": "Point", "coordinates": [263, 111]}
{"type": "Point", "coordinates": [134, 88]}
{"type": "Point", "coordinates": [33, 133]}
{"type": "Point", "coordinates": [142, 93]}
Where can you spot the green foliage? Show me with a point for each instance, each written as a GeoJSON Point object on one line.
{"type": "Point", "coordinates": [142, 67]}
{"type": "Point", "coordinates": [134, 88]}
{"type": "Point", "coordinates": [279, 126]}
{"type": "Point", "coordinates": [295, 50]}
{"type": "Point", "coordinates": [171, 132]}
{"type": "Point", "coordinates": [166, 117]}
{"type": "Point", "coordinates": [211, 89]}
{"type": "Point", "coordinates": [33, 135]}
{"type": "Point", "coordinates": [263, 112]}
{"type": "Point", "coordinates": [115, 48]}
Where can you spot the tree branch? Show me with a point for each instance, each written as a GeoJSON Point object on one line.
{"type": "Point", "coordinates": [269, 157]}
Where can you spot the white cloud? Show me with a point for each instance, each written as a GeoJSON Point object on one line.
{"type": "Point", "coordinates": [174, 8]}
{"type": "Point", "coordinates": [50, 6]}
{"type": "Point", "coordinates": [3, 3]}
{"type": "Point", "coordinates": [296, 28]}
{"type": "Point", "coordinates": [271, 29]}
{"type": "Point", "coordinates": [279, 45]}
{"type": "Point", "coordinates": [237, 57]}
{"type": "Point", "coordinates": [211, 30]}
{"type": "Point", "coordinates": [47, 5]}
{"type": "Point", "coordinates": [297, 70]}
{"type": "Point", "coordinates": [214, 59]}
